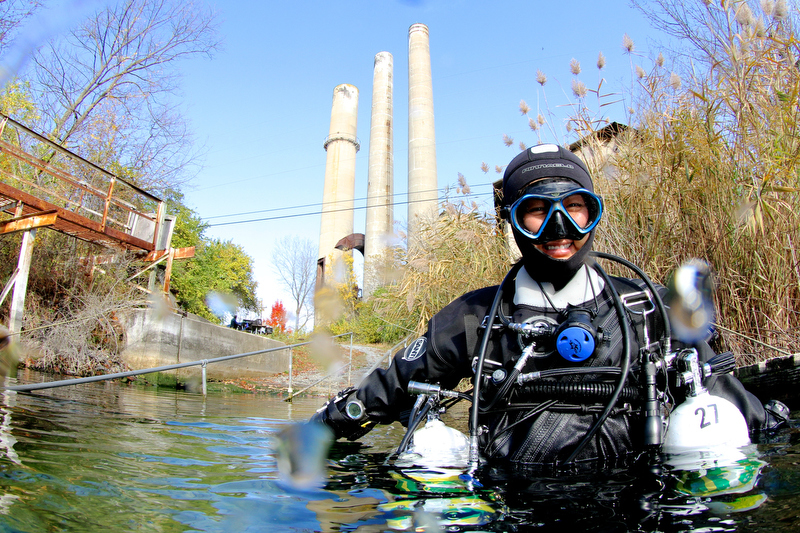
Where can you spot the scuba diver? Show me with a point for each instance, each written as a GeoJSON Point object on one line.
{"type": "Point", "coordinates": [561, 355]}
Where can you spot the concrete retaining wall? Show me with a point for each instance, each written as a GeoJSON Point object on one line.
{"type": "Point", "coordinates": [157, 339]}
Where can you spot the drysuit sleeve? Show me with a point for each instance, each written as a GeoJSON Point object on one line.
{"type": "Point", "coordinates": [442, 356]}
{"type": "Point", "coordinates": [383, 393]}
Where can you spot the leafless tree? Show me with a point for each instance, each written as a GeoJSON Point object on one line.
{"type": "Point", "coordinates": [295, 263]}
{"type": "Point", "coordinates": [16, 44]}
{"type": "Point", "coordinates": [109, 88]}
{"type": "Point", "coordinates": [12, 14]}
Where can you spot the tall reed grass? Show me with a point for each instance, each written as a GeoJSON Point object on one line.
{"type": "Point", "coordinates": [711, 170]}
{"type": "Point", "coordinates": [708, 168]}
{"type": "Point", "coordinates": [463, 249]}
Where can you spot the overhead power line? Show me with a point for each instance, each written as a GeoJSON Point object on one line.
{"type": "Point", "coordinates": [318, 204]}
{"type": "Point", "coordinates": [311, 213]}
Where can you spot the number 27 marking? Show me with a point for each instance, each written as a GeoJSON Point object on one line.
{"type": "Point", "coordinates": [702, 412]}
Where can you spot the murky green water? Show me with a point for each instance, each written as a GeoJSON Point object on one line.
{"type": "Point", "coordinates": [109, 457]}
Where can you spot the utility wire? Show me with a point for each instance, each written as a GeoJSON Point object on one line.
{"type": "Point", "coordinates": [441, 190]}
{"type": "Point", "coordinates": [297, 215]}
{"type": "Point", "coordinates": [320, 204]}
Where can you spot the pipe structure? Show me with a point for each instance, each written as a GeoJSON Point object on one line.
{"type": "Point", "coordinates": [105, 377]}
{"type": "Point", "coordinates": [422, 179]}
{"type": "Point", "coordinates": [340, 173]}
{"type": "Point", "coordinates": [380, 179]}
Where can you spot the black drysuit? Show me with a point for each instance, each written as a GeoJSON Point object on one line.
{"type": "Point", "coordinates": [516, 431]}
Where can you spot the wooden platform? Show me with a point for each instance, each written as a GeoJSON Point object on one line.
{"type": "Point", "coordinates": [65, 221]}
{"type": "Point", "coordinates": [40, 177]}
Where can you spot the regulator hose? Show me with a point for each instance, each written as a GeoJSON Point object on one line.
{"type": "Point", "coordinates": [512, 379]}
{"type": "Point", "coordinates": [570, 371]}
{"type": "Point", "coordinates": [567, 391]}
{"type": "Point", "coordinates": [412, 426]}
{"type": "Point", "coordinates": [476, 390]}
{"type": "Point", "coordinates": [625, 366]}
{"type": "Point", "coordinates": [503, 391]}
{"type": "Point", "coordinates": [657, 297]}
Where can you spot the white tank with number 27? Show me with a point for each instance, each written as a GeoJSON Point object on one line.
{"type": "Point", "coordinates": [705, 422]}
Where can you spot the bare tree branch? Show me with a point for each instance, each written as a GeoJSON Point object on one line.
{"type": "Point", "coordinates": [120, 65]}
{"type": "Point", "coordinates": [12, 14]}
{"type": "Point", "coordinates": [295, 263]}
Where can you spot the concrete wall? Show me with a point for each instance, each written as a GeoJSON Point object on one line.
{"type": "Point", "coordinates": [158, 339]}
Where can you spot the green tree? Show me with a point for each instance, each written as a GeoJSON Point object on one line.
{"type": "Point", "coordinates": [16, 101]}
{"type": "Point", "coordinates": [218, 266]}
{"type": "Point", "coordinates": [189, 227]}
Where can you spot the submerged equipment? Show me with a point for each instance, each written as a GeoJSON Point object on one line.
{"type": "Point", "coordinates": [435, 445]}
{"type": "Point", "coordinates": [704, 421]}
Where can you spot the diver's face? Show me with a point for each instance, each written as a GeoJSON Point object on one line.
{"type": "Point", "coordinates": [534, 213]}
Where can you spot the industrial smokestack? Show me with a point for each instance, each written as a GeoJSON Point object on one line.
{"type": "Point", "coordinates": [422, 182]}
{"type": "Point", "coordinates": [340, 176]}
{"type": "Point", "coordinates": [380, 181]}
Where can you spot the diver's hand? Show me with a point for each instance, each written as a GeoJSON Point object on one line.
{"type": "Point", "coordinates": [333, 415]}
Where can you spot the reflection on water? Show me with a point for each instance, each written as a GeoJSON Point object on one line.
{"type": "Point", "coordinates": [104, 456]}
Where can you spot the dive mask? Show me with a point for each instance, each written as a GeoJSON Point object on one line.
{"type": "Point", "coordinates": [559, 205]}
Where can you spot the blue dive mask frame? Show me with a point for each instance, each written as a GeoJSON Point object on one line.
{"type": "Point", "coordinates": [558, 223]}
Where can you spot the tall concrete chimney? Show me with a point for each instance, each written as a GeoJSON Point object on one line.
{"type": "Point", "coordinates": [380, 181]}
{"type": "Point", "coordinates": [422, 182]}
{"type": "Point", "coordinates": [340, 176]}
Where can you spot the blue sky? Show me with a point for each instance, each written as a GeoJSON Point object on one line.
{"type": "Point", "coordinates": [262, 105]}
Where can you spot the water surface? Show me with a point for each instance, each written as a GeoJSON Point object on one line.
{"type": "Point", "coordinates": [111, 457]}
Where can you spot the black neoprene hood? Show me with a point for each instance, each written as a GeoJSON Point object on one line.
{"type": "Point", "coordinates": [535, 163]}
{"type": "Point", "coordinates": [543, 161]}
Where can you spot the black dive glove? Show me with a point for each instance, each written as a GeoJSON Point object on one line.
{"type": "Point", "coordinates": [345, 415]}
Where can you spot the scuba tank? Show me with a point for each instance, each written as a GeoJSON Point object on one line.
{"type": "Point", "coordinates": [703, 422]}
